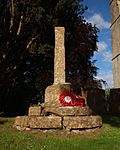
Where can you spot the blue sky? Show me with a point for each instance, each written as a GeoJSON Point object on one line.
{"type": "Point", "coordinates": [98, 13]}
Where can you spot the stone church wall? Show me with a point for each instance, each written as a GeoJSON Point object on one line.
{"type": "Point", "coordinates": [115, 28]}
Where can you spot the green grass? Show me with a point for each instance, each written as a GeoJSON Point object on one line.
{"type": "Point", "coordinates": [108, 138]}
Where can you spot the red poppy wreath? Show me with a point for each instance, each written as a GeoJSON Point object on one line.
{"type": "Point", "coordinates": [70, 99]}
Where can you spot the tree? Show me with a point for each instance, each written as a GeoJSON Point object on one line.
{"type": "Point", "coordinates": [27, 47]}
{"type": "Point", "coordinates": [16, 37]}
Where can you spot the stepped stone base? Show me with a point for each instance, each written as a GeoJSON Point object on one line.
{"type": "Point", "coordinates": [67, 118]}
{"type": "Point", "coordinates": [55, 122]}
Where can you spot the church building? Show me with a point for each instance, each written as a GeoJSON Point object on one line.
{"type": "Point", "coordinates": [115, 28]}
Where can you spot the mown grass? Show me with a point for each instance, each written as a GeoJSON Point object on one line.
{"type": "Point", "coordinates": [108, 138]}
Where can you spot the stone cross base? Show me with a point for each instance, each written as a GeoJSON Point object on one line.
{"type": "Point", "coordinates": [62, 118]}
{"type": "Point", "coordinates": [66, 123]}
{"type": "Point", "coordinates": [53, 92]}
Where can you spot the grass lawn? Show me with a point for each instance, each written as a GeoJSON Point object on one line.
{"type": "Point", "coordinates": [108, 138]}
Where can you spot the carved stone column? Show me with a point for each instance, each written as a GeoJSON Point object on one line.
{"type": "Point", "coordinates": [59, 56]}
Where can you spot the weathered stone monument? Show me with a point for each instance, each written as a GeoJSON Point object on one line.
{"type": "Point", "coordinates": [52, 92]}
{"type": "Point", "coordinates": [115, 27]}
{"type": "Point", "coordinates": [53, 114]}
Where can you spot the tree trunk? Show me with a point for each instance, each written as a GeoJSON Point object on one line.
{"type": "Point", "coordinates": [84, 94]}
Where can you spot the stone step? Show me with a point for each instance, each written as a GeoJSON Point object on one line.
{"type": "Point", "coordinates": [48, 122]}
{"type": "Point", "coordinates": [68, 111]}
{"type": "Point", "coordinates": [34, 111]}
{"type": "Point", "coordinates": [82, 122]}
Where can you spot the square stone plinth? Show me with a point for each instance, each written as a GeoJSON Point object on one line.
{"type": "Point", "coordinates": [82, 122]}
{"type": "Point", "coordinates": [34, 111]}
{"type": "Point", "coordinates": [53, 92]}
{"type": "Point", "coordinates": [45, 122]}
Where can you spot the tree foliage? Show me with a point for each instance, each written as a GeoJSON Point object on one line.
{"type": "Point", "coordinates": [27, 47]}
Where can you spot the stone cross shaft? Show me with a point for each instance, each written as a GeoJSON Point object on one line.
{"type": "Point", "coordinates": [59, 56]}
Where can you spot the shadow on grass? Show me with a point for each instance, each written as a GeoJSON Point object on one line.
{"type": "Point", "coordinates": [112, 120]}
{"type": "Point", "coordinates": [3, 121]}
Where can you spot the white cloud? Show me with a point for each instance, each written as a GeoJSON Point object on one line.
{"type": "Point", "coordinates": [101, 46]}
{"type": "Point", "coordinates": [99, 21]}
{"type": "Point", "coordinates": [107, 56]}
{"type": "Point", "coordinates": [104, 52]}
